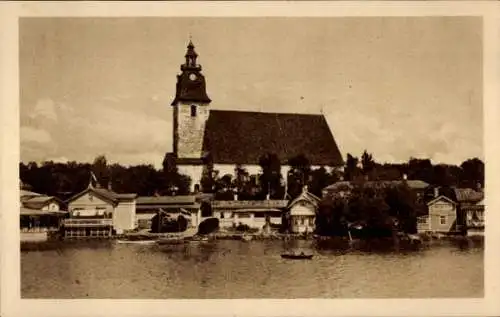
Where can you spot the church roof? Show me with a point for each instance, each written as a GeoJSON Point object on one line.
{"type": "Point", "coordinates": [241, 137]}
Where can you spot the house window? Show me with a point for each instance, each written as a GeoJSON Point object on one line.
{"type": "Point", "coordinates": [442, 220]}
{"type": "Point", "coordinates": [193, 111]}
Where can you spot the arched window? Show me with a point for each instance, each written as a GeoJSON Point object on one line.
{"type": "Point", "coordinates": [193, 111]}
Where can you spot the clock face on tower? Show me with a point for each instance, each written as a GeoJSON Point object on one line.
{"type": "Point", "coordinates": [192, 77]}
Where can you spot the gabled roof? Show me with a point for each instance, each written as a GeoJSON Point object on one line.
{"type": "Point", "coordinates": [38, 202]}
{"type": "Point", "coordinates": [105, 194]}
{"type": "Point", "coordinates": [441, 197]}
{"type": "Point", "coordinates": [27, 193]}
{"type": "Point", "coordinates": [242, 137]}
{"type": "Point", "coordinates": [37, 212]}
{"type": "Point", "coordinates": [307, 196]}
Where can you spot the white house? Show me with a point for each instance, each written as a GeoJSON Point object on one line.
{"type": "Point", "coordinates": [442, 217]}
{"type": "Point", "coordinates": [302, 212]}
{"type": "Point", "coordinates": [39, 216]}
{"type": "Point", "coordinates": [253, 213]}
{"type": "Point", "coordinates": [99, 211]}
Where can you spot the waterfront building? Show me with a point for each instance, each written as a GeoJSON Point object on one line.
{"type": "Point", "coordinates": [453, 210]}
{"type": "Point", "coordinates": [100, 212]}
{"type": "Point", "coordinates": [471, 208]}
{"type": "Point", "coordinates": [301, 212]}
{"type": "Point", "coordinates": [441, 217]}
{"type": "Point", "coordinates": [148, 206]}
{"type": "Point", "coordinates": [475, 218]}
{"type": "Point", "coordinates": [204, 136]}
{"type": "Point", "coordinates": [253, 213]}
{"type": "Point", "coordinates": [40, 216]}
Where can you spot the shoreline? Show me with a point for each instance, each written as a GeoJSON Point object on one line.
{"type": "Point", "coordinates": [248, 237]}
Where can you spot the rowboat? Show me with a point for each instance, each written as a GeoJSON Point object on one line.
{"type": "Point", "coordinates": [171, 241]}
{"type": "Point", "coordinates": [143, 242]}
{"type": "Point", "coordinates": [301, 256]}
{"type": "Point", "coordinates": [246, 237]}
{"type": "Point", "coordinates": [198, 239]}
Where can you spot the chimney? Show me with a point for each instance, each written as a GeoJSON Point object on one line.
{"type": "Point", "coordinates": [235, 196]}
{"type": "Point", "coordinates": [405, 177]}
{"type": "Point", "coordinates": [304, 189]}
{"type": "Point", "coordinates": [436, 192]}
{"type": "Point", "coordinates": [110, 187]}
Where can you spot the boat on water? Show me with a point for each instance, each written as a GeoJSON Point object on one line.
{"type": "Point", "coordinates": [171, 241]}
{"type": "Point", "coordinates": [143, 242]}
{"type": "Point", "coordinates": [198, 239]}
{"type": "Point", "coordinates": [246, 237]}
{"type": "Point", "coordinates": [294, 256]}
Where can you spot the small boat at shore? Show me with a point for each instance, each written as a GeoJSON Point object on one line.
{"type": "Point", "coordinates": [246, 237]}
{"type": "Point", "coordinates": [171, 241]}
{"type": "Point", "coordinates": [198, 239]}
{"type": "Point", "coordinates": [293, 256]}
{"type": "Point", "coordinates": [143, 242]}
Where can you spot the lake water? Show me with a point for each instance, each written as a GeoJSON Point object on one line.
{"type": "Point", "coordinates": [237, 269]}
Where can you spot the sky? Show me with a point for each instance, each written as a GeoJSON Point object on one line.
{"type": "Point", "coordinates": [398, 87]}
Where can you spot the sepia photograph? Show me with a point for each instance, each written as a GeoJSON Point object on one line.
{"type": "Point", "coordinates": [251, 157]}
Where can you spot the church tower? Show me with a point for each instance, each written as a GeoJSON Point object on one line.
{"type": "Point", "coordinates": [191, 109]}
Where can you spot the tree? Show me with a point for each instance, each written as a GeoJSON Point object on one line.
{"type": "Point", "coordinates": [299, 174]}
{"type": "Point", "coordinates": [472, 173]}
{"type": "Point", "coordinates": [331, 218]}
{"type": "Point", "coordinates": [209, 176]}
{"type": "Point", "coordinates": [319, 180]}
{"type": "Point", "coordinates": [351, 169]}
{"type": "Point", "coordinates": [241, 178]}
{"type": "Point", "coordinates": [421, 169]}
{"type": "Point", "coordinates": [173, 182]}
{"type": "Point", "coordinates": [367, 163]}
{"type": "Point", "coordinates": [402, 202]}
{"type": "Point", "coordinates": [270, 179]}
{"type": "Point", "coordinates": [101, 171]}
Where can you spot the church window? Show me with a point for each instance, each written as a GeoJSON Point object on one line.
{"type": "Point", "coordinates": [193, 111]}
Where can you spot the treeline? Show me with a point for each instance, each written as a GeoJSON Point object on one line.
{"type": "Point", "coordinates": [64, 179]}
{"type": "Point", "coordinates": [469, 173]}
{"type": "Point", "coordinates": [370, 212]}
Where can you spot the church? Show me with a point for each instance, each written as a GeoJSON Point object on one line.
{"type": "Point", "coordinates": [229, 138]}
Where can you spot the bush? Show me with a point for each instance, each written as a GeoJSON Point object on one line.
{"type": "Point", "coordinates": [208, 226]}
{"type": "Point", "coordinates": [160, 224]}
{"type": "Point", "coordinates": [241, 227]}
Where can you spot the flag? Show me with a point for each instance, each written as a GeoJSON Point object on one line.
{"type": "Point", "coordinates": [93, 176]}
{"type": "Point", "coordinates": [92, 179]}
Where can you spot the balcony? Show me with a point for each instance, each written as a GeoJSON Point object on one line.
{"type": "Point", "coordinates": [103, 222]}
